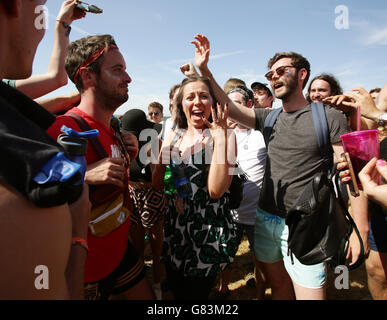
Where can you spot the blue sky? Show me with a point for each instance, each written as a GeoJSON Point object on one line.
{"type": "Point", "coordinates": [154, 37]}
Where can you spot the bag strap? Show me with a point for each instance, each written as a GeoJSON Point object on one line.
{"type": "Point", "coordinates": [269, 124]}
{"type": "Point", "coordinates": [344, 246]}
{"type": "Point", "coordinates": [101, 153]}
{"type": "Point", "coordinates": [85, 127]}
{"type": "Point", "coordinates": [322, 132]}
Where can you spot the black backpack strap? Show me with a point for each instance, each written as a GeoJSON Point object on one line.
{"type": "Point", "coordinates": [322, 132]}
{"type": "Point", "coordinates": [269, 124]}
{"type": "Point", "coordinates": [85, 127]}
{"type": "Point", "coordinates": [323, 137]}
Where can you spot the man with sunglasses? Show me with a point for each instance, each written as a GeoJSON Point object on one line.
{"type": "Point", "coordinates": [155, 112]}
{"type": "Point", "coordinates": [293, 159]}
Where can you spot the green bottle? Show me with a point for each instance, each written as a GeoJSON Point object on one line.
{"type": "Point", "coordinates": [169, 184]}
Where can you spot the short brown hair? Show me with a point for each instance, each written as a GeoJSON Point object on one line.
{"type": "Point", "coordinates": [181, 119]}
{"type": "Point", "coordinates": [81, 50]}
{"type": "Point", "coordinates": [157, 105]}
{"type": "Point", "coordinates": [298, 61]}
{"type": "Point", "coordinates": [233, 83]}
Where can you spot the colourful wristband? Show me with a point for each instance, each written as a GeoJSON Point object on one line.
{"type": "Point", "coordinates": [80, 242]}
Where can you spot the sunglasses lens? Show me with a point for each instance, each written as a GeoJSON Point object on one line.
{"type": "Point", "coordinates": [280, 71]}
{"type": "Point", "coordinates": [94, 9]}
{"type": "Point", "coordinates": [81, 7]}
{"type": "Point", "coordinates": [269, 75]}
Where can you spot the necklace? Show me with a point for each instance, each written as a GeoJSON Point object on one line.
{"type": "Point", "coordinates": [245, 137]}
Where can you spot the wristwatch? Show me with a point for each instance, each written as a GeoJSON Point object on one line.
{"type": "Point", "coordinates": [382, 120]}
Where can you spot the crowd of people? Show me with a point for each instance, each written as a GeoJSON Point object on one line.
{"type": "Point", "coordinates": [168, 181]}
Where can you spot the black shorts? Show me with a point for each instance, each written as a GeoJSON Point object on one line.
{"type": "Point", "coordinates": [129, 272]}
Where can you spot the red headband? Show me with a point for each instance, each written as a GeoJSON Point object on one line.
{"type": "Point", "coordinates": [94, 57]}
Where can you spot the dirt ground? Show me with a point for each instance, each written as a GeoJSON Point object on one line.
{"type": "Point", "coordinates": [243, 271]}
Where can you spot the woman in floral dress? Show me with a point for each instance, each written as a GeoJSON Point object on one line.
{"type": "Point", "coordinates": [199, 237]}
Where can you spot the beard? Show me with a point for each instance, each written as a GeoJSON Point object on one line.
{"type": "Point", "coordinates": [290, 84]}
{"type": "Point", "coordinates": [111, 97]}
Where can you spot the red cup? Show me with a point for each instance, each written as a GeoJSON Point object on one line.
{"type": "Point", "coordinates": [361, 146]}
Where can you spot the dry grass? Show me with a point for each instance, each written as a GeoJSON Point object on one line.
{"type": "Point", "coordinates": [243, 271]}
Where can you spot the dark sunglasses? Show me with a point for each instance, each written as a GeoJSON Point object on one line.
{"type": "Point", "coordinates": [280, 71]}
{"type": "Point", "coordinates": [89, 7]}
{"type": "Point", "coordinates": [154, 113]}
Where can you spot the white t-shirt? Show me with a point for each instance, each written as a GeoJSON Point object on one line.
{"type": "Point", "coordinates": [167, 126]}
{"type": "Point", "coordinates": [251, 158]}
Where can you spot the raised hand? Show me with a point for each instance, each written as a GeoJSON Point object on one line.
{"type": "Point", "coordinates": [202, 52]}
{"type": "Point", "coordinates": [68, 12]}
{"type": "Point", "coordinates": [188, 70]}
{"type": "Point", "coordinates": [219, 117]}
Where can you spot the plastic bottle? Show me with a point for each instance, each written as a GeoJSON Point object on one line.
{"type": "Point", "coordinates": [75, 145]}
{"type": "Point", "coordinates": [169, 184]}
{"type": "Point", "coordinates": [182, 184]}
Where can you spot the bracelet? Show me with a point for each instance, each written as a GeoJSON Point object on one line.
{"type": "Point", "coordinates": [80, 242]}
{"type": "Point", "coordinates": [66, 26]}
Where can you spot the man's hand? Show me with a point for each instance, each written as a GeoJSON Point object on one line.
{"type": "Point", "coordinates": [106, 171]}
{"type": "Point", "coordinates": [131, 144]}
{"type": "Point", "coordinates": [359, 97]}
{"type": "Point", "coordinates": [338, 101]}
{"type": "Point", "coordinates": [68, 12]}
{"type": "Point", "coordinates": [189, 70]}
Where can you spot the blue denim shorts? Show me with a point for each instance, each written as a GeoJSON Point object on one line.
{"type": "Point", "coordinates": [271, 245]}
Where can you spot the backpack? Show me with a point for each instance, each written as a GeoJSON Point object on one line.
{"type": "Point", "coordinates": [319, 223]}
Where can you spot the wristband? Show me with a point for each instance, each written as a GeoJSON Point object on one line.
{"type": "Point", "coordinates": [80, 242]}
{"type": "Point", "coordinates": [66, 26]}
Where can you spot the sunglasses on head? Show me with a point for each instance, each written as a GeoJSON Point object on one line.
{"type": "Point", "coordinates": [280, 71]}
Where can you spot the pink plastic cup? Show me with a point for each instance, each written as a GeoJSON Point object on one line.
{"type": "Point", "coordinates": [361, 146]}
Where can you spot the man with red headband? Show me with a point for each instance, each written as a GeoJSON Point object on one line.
{"type": "Point", "coordinates": [98, 70]}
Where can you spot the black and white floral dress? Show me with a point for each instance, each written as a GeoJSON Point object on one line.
{"type": "Point", "coordinates": [199, 238]}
